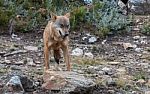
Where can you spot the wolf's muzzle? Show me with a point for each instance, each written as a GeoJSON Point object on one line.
{"type": "Point", "coordinates": [67, 34]}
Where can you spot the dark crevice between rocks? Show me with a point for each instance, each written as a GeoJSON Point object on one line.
{"type": "Point", "coordinates": [97, 89]}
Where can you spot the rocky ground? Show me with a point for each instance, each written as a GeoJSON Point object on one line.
{"type": "Point", "coordinates": [118, 64]}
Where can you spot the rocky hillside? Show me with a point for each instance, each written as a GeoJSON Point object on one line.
{"type": "Point", "coordinates": [117, 64]}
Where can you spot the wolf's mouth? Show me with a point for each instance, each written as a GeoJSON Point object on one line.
{"type": "Point", "coordinates": [60, 33]}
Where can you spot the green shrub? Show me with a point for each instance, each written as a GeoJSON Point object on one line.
{"type": "Point", "coordinates": [78, 16]}
{"type": "Point", "coordinates": [107, 18]}
{"type": "Point", "coordinates": [102, 17]}
{"type": "Point", "coordinates": [146, 27]}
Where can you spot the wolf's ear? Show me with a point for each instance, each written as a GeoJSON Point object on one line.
{"type": "Point", "coordinates": [53, 16]}
{"type": "Point", "coordinates": [67, 15]}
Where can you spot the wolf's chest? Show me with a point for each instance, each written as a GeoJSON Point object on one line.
{"type": "Point", "coordinates": [56, 46]}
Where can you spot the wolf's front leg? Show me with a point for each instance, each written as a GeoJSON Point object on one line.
{"type": "Point", "coordinates": [46, 57]}
{"type": "Point", "coordinates": [66, 57]}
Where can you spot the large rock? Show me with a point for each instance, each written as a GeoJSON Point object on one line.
{"type": "Point", "coordinates": [14, 85]}
{"type": "Point", "coordinates": [64, 80]}
{"type": "Point", "coordinates": [53, 81]}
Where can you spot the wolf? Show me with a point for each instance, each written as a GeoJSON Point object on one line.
{"type": "Point", "coordinates": [56, 38]}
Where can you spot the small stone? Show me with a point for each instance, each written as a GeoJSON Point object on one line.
{"type": "Point", "coordinates": [89, 55]}
{"type": "Point", "coordinates": [136, 37]}
{"type": "Point", "coordinates": [140, 23]}
{"type": "Point", "coordinates": [41, 40]}
{"type": "Point", "coordinates": [100, 72]}
{"type": "Point", "coordinates": [138, 49]}
{"type": "Point", "coordinates": [129, 46]}
{"type": "Point", "coordinates": [92, 39]}
{"type": "Point", "coordinates": [138, 20]}
{"type": "Point", "coordinates": [30, 62]}
{"type": "Point", "coordinates": [77, 52]}
{"type": "Point", "coordinates": [136, 29]}
{"type": "Point", "coordinates": [106, 69]}
{"type": "Point", "coordinates": [134, 92]}
{"type": "Point", "coordinates": [143, 42]}
{"type": "Point", "coordinates": [104, 41]}
{"type": "Point", "coordinates": [113, 63]}
{"type": "Point", "coordinates": [91, 69]}
{"type": "Point", "coordinates": [38, 62]}
{"type": "Point", "coordinates": [111, 91]}
{"type": "Point", "coordinates": [31, 48]}
{"type": "Point", "coordinates": [20, 62]}
{"type": "Point", "coordinates": [88, 34]}
{"type": "Point", "coordinates": [141, 81]}
{"type": "Point", "coordinates": [7, 61]}
{"type": "Point", "coordinates": [137, 41]}
{"type": "Point", "coordinates": [84, 38]}
{"type": "Point", "coordinates": [143, 37]}
{"type": "Point", "coordinates": [111, 82]}
{"type": "Point", "coordinates": [124, 60]}
{"type": "Point", "coordinates": [12, 48]}
{"type": "Point", "coordinates": [14, 36]}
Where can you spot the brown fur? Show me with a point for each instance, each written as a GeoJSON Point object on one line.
{"type": "Point", "coordinates": [56, 38]}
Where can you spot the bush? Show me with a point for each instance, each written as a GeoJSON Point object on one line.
{"type": "Point", "coordinates": [103, 17]}
{"type": "Point", "coordinates": [107, 17]}
{"type": "Point", "coordinates": [146, 27]}
{"type": "Point", "coordinates": [78, 16]}
{"type": "Point", "coordinates": [4, 18]}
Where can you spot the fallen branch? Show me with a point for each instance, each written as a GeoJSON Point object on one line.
{"type": "Point", "coordinates": [15, 52]}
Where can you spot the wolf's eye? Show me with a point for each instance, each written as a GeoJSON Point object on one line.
{"type": "Point", "coordinates": [61, 25]}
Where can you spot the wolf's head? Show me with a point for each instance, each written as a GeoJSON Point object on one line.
{"type": "Point", "coordinates": [61, 25]}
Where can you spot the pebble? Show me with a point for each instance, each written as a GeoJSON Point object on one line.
{"type": "Point", "coordinates": [138, 49]}
{"type": "Point", "coordinates": [89, 55]}
{"type": "Point", "coordinates": [31, 48]}
{"type": "Point", "coordinates": [113, 63]}
{"type": "Point", "coordinates": [92, 39]}
{"type": "Point", "coordinates": [77, 52]}
{"type": "Point", "coordinates": [136, 37]}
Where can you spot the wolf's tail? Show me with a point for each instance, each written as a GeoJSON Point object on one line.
{"type": "Point", "coordinates": [57, 55]}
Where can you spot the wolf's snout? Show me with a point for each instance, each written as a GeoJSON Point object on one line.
{"type": "Point", "coordinates": [66, 34]}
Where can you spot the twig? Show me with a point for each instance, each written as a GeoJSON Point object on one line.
{"type": "Point", "coordinates": [15, 52]}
